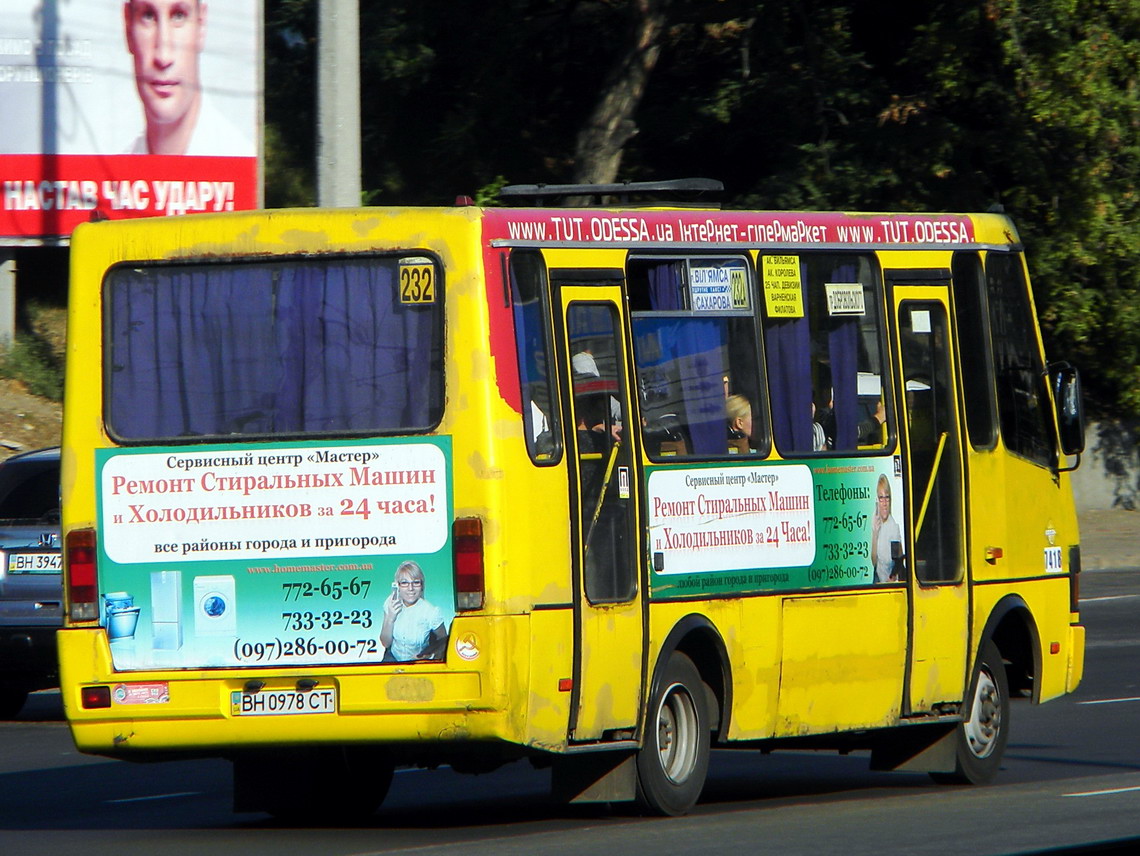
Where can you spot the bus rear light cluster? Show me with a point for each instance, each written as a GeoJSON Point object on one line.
{"type": "Point", "coordinates": [82, 588]}
{"type": "Point", "coordinates": [467, 544]}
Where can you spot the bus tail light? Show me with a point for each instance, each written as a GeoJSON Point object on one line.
{"type": "Point", "coordinates": [82, 590]}
{"type": "Point", "coordinates": [467, 543]}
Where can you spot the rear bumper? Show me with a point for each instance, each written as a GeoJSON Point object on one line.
{"type": "Point", "coordinates": [194, 711]}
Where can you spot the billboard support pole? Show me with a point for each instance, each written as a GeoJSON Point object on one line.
{"type": "Point", "coordinates": [338, 110]}
{"type": "Point", "coordinates": [7, 299]}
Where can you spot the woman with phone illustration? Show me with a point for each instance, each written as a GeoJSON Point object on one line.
{"type": "Point", "coordinates": [413, 628]}
{"type": "Point", "coordinates": [885, 531]}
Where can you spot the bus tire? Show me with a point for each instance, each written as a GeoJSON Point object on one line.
{"type": "Point", "coordinates": [980, 739]}
{"type": "Point", "coordinates": [674, 758]}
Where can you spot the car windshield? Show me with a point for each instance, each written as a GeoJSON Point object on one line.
{"type": "Point", "coordinates": [29, 489]}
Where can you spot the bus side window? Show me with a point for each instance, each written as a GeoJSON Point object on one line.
{"type": "Point", "coordinates": [541, 420]}
{"type": "Point", "coordinates": [974, 349]}
{"type": "Point", "coordinates": [823, 336]}
{"type": "Point", "coordinates": [696, 357]}
{"type": "Point", "coordinates": [1022, 397]}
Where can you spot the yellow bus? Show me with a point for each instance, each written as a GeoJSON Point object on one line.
{"type": "Point", "coordinates": [601, 487]}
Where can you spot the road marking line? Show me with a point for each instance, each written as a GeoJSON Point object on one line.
{"type": "Point", "coordinates": [1103, 793]}
{"type": "Point", "coordinates": [155, 797]}
{"type": "Point", "coordinates": [1108, 597]}
{"type": "Point", "coordinates": [1109, 700]}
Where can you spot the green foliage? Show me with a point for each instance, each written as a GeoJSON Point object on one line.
{"type": "Point", "coordinates": [35, 357]}
{"type": "Point", "coordinates": [290, 102]}
{"type": "Point", "coordinates": [30, 360]}
{"type": "Point", "coordinates": [488, 194]}
{"type": "Point", "coordinates": [954, 106]}
{"type": "Point", "coordinates": [1075, 69]}
{"type": "Point", "coordinates": [287, 183]}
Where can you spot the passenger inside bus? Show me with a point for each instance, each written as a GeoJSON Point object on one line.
{"type": "Point", "coordinates": [739, 412]}
{"type": "Point", "coordinates": [597, 428]}
{"type": "Point", "coordinates": [541, 435]}
{"type": "Point", "coordinates": [818, 435]}
{"type": "Point", "coordinates": [586, 373]}
{"type": "Point", "coordinates": [872, 430]}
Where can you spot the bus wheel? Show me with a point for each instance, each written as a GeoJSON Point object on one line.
{"type": "Point", "coordinates": [981, 738]}
{"type": "Point", "coordinates": [673, 762]}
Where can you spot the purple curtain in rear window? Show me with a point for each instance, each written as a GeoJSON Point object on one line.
{"type": "Point", "coordinates": [289, 348]}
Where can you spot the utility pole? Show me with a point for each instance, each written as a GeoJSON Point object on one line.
{"type": "Point", "coordinates": [338, 108]}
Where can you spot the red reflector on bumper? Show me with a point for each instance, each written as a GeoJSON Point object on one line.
{"type": "Point", "coordinates": [93, 698]}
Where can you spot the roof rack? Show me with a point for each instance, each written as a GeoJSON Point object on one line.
{"type": "Point", "coordinates": [539, 194]}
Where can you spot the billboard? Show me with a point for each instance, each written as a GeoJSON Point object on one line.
{"type": "Point", "coordinates": [126, 108]}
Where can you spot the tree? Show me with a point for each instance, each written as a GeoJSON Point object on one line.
{"type": "Point", "coordinates": [960, 105]}
{"type": "Point", "coordinates": [290, 105]}
{"type": "Point", "coordinates": [601, 142]}
{"type": "Point", "coordinates": [1076, 68]}
{"type": "Point", "coordinates": [1042, 108]}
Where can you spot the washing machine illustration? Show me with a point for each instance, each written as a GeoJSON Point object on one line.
{"type": "Point", "coordinates": [215, 606]}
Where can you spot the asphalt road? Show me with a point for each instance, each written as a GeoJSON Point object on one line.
{"type": "Point", "coordinates": [1071, 779]}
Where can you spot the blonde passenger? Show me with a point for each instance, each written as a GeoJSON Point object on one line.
{"type": "Point", "coordinates": [739, 422]}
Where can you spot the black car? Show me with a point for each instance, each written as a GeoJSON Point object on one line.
{"type": "Point", "coordinates": [31, 583]}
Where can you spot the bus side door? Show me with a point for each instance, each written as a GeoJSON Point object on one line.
{"type": "Point", "coordinates": [609, 633]}
{"type": "Point", "coordinates": [936, 565]}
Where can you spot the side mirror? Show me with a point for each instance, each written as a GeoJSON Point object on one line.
{"type": "Point", "coordinates": [1066, 384]}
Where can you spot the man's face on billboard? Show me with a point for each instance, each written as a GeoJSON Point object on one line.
{"type": "Point", "coordinates": [165, 38]}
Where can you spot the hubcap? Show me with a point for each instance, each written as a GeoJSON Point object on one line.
{"type": "Point", "coordinates": [984, 725]}
{"type": "Point", "coordinates": [677, 734]}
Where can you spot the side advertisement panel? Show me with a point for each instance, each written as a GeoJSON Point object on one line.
{"type": "Point", "coordinates": [292, 554]}
{"type": "Point", "coordinates": [725, 529]}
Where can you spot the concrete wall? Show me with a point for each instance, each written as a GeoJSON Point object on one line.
{"type": "Point", "coordinates": [1109, 474]}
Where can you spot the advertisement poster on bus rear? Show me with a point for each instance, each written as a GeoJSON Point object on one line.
{"type": "Point", "coordinates": [127, 109]}
{"type": "Point", "coordinates": [283, 554]}
{"type": "Point", "coordinates": [739, 528]}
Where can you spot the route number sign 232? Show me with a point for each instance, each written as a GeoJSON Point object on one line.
{"type": "Point", "coordinates": [417, 281]}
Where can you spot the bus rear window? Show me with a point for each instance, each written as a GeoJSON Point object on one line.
{"type": "Point", "coordinates": [290, 347]}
